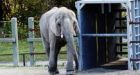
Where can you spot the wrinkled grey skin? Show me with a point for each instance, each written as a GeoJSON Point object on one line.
{"type": "Point", "coordinates": [58, 26]}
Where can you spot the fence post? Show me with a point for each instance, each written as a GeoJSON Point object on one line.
{"type": "Point", "coordinates": [15, 43]}
{"type": "Point", "coordinates": [31, 43]}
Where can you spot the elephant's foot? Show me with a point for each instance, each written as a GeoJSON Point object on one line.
{"type": "Point", "coordinates": [72, 72]}
{"type": "Point", "coordinates": [76, 67]}
{"type": "Point", "coordinates": [53, 71]}
{"type": "Point", "coordinates": [57, 72]}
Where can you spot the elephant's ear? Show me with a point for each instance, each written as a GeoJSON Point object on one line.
{"type": "Point", "coordinates": [75, 22]}
{"type": "Point", "coordinates": [76, 27]}
{"type": "Point", "coordinates": [54, 27]}
{"type": "Point", "coordinates": [73, 30]}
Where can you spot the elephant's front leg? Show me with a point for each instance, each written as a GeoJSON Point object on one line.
{"type": "Point", "coordinates": [54, 68]}
{"type": "Point", "coordinates": [46, 45]}
{"type": "Point", "coordinates": [57, 48]}
{"type": "Point", "coordinates": [69, 61]}
{"type": "Point", "coordinates": [71, 54]}
{"type": "Point", "coordinates": [70, 67]}
{"type": "Point", "coordinates": [52, 57]}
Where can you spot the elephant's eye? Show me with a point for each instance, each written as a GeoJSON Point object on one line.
{"type": "Point", "coordinates": [74, 23]}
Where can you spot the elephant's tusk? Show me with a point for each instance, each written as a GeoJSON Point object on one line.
{"type": "Point", "coordinates": [61, 35]}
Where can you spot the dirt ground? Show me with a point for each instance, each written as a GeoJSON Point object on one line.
{"type": "Point", "coordinates": [102, 71]}
{"type": "Point", "coordinates": [43, 71]}
{"type": "Point", "coordinates": [23, 71]}
{"type": "Point", "coordinates": [118, 67]}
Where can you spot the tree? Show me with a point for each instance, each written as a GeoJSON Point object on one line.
{"type": "Point", "coordinates": [1, 15]}
{"type": "Point", "coordinates": [1, 11]}
{"type": "Point", "coordinates": [22, 9]}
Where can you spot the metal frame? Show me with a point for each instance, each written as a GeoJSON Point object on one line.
{"type": "Point", "coordinates": [100, 1]}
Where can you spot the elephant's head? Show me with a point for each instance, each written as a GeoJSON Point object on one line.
{"type": "Point", "coordinates": [64, 22]}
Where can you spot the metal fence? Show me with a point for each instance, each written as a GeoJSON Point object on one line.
{"type": "Point", "coordinates": [13, 40]}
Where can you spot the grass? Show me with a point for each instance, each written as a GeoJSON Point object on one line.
{"type": "Point", "coordinates": [6, 48]}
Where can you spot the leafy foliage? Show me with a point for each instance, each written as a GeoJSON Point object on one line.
{"type": "Point", "coordinates": [22, 9]}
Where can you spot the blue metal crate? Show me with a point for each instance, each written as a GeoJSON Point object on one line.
{"type": "Point", "coordinates": [96, 19]}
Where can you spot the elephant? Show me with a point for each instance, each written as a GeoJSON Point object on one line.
{"type": "Point", "coordinates": [58, 26]}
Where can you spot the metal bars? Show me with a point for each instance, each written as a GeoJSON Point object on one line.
{"type": "Point", "coordinates": [105, 35]}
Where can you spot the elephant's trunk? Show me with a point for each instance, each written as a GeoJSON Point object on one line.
{"type": "Point", "coordinates": [70, 40]}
